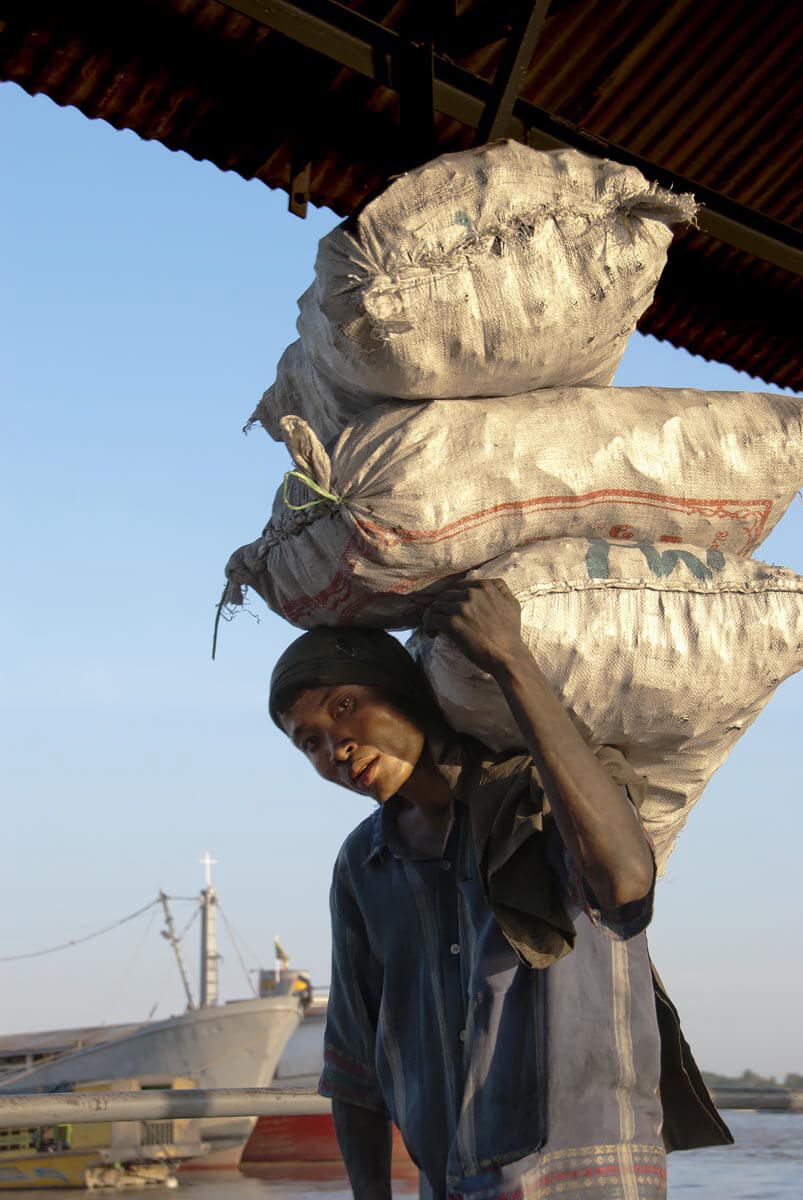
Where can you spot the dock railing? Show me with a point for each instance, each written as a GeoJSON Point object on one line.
{"type": "Point", "coordinates": [778, 1099]}
{"type": "Point", "coordinates": [22, 1110]}
{"type": "Point", "coordinates": [26, 1110]}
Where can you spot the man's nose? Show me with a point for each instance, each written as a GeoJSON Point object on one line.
{"type": "Point", "coordinates": [342, 749]}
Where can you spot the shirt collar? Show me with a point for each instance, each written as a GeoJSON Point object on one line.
{"type": "Point", "coordinates": [383, 836]}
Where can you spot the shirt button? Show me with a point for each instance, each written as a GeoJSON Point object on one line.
{"type": "Point", "coordinates": [454, 948]}
{"type": "Point", "coordinates": [445, 865]}
{"type": "Point", "coordinates": [462, 1035]}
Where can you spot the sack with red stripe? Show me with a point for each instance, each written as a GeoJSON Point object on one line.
{"type": "Point", "coordinates": [411, 495]}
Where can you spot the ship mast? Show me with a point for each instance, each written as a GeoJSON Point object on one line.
{"type": "Point", "coordinates": [170, 934]}
{"type": "Point", "coordinates": [209, 955]}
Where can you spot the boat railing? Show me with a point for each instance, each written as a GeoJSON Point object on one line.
{"type": "Point", "coordinates": [18, 1139]}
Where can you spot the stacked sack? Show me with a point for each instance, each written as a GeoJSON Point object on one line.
{"type": "Point", "coordinates": [448, 411]}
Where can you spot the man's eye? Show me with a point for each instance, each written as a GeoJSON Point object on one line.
{"type": "Point", "coordinates": [343, 705]}
{"type": "Point", "coordinates": [309, 744]}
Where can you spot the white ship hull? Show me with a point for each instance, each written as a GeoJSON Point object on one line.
{"type": "Point", "coordinates": [230, 1045]}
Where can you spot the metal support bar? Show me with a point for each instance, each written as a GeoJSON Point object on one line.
{"type": "Point", "coordinates": [718, 215]}
{"type": "Point", "coordinates": [414, 77]}
{"type": "Point", "coordinates": [79, 1108]}
{"type": "Point", "coordinates": [362, 45]}
{"type": "Point", "coordinates": [778, 1099]}
{"type": "Point", "coordinates": [170, 936]}
{"type": "Point", "coordinates": [511, 72]}
{"type": "Point", "coordinates": [82, 1108]}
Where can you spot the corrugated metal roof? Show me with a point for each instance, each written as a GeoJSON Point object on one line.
{"type": "Point", "coordinates": [709, 89]}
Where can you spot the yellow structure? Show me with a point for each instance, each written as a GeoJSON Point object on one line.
{"type": "Point", "coordinates": [102, 1154]}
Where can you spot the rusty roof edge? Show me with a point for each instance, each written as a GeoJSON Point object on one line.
{"type": "Point", "coordinates": [362, 45]}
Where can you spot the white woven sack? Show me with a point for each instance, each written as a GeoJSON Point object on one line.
{"type": "Point", "coordinates": [489, 272]}
{"type": "Point", "coordinates": [299, 390]}
{"type": "Point", "coordinates": [420, 493]}
{"type": "Point", "coordinates": [667, 654]}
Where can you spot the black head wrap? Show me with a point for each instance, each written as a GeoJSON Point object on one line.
{"type": "Point", "coordinates": [329, 656]}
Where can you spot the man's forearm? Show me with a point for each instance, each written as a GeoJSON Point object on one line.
{"type": "Point", "coordinates": [365, 1142]}
{"type": "Point", "coordinates": [597, 823]}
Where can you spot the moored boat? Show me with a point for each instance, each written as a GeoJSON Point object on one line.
{"type": "Point", "coordinates": [236, 1044]}
{"type": "Point", "coordinates": [103, 1154]}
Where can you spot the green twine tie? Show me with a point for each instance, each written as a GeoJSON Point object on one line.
{"type": "Point", "coordinates": [323, 495]}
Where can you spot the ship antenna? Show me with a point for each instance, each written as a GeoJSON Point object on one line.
{"type": "Point", "coordinates": [170, 934]}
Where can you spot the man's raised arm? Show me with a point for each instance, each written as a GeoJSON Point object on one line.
{"type": "Point", "coordinates": [599, 826]}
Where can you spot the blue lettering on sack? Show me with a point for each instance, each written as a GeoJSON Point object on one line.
{"type": "Point", "coordinates": [462, 218]}
{"type": "Point", "coordinates": [597, 558]}
{"type": "Point", "coordinates": [660, 562]}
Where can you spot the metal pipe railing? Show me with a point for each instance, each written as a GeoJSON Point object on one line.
{"type": "Point", "coordinates": [781, 1099]}
{"type": "Point", "coordinates": [19, 1111]}
{"type": "Point", "coordinates": [23, 1110]}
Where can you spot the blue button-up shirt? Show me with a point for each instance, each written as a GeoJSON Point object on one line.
{"type": "Point", "coordinates": [494, 1072]}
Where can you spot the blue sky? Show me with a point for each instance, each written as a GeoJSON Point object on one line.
{"type": "Point", "coordinates": [146, 301]}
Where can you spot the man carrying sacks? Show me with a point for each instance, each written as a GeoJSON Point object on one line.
{"type": "Point", "coordinates": [491, 986]}
{"type": "Point", "coordinates": [448, 410]}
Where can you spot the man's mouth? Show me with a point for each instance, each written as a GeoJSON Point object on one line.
{"type": "Point", "coordinates": [362, 775]}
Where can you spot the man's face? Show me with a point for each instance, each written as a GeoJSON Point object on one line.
{"type": "Point", "coordinates": [355, 737]}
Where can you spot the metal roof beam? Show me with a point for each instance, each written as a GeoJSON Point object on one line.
{"type": "Point", "coordinates": [718, 215]}
{"type": "Point", "coordinates": [414, 76]}
{"type": "Point", "coordinates": [511, 73]}
{"type": "Point", "coordinates": [362, 45]}
{"type": "Point", "coordinates": [329, 29]}
{"type": "Point", "coordinates": [418, 104]}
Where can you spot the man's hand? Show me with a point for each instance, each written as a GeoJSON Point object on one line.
{"type": "Point", "coordinates": [484, 618]}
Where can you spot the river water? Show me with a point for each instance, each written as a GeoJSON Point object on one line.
{"type": "Point", "coordinates": [765, 1164]}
